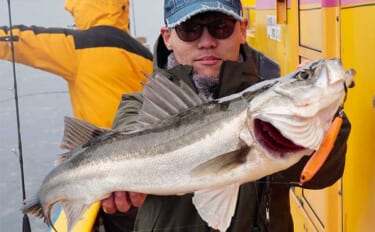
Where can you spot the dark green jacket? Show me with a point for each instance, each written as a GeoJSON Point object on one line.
{"type": "Point", "coordinates": [177, 213]}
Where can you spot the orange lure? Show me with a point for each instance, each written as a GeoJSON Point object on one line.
{"type": "Point", "coordinates": [320, 156]}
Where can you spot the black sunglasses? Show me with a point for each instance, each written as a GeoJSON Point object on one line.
{"type": "Point", "coordinates": [219, 29]}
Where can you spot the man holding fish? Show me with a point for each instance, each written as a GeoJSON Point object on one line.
{"type": "Point", "coordinates": [206, 145]}
{"type": "Point", "coordinates": [203, 45]}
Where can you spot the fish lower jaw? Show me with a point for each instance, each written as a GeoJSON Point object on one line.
{"type": "Point", "coordinates": [272, 141]}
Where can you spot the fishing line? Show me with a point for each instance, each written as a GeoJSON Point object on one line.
{"type": "Point", "coordinates": [292, 184]}
{"type": "Point", "coordinates": [35, 94]}
{"type": "Point", "coordinates": [26, 222]}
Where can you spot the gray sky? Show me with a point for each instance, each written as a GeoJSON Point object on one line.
{"type": "Point", "coordinates": [147, 20]}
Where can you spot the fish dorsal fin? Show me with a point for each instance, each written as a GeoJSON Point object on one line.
{"type": "Point", "coordinates": [78, 132]}
{"type": "Point", "coordinates": [217, 206]}
{"type": "Point", "coordinates": [163, 99]}
{"type": "Point", "coordinates": [62, 157]}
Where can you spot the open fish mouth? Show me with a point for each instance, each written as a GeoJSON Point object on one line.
{"type": "Point", "coordinates": [272, 139]}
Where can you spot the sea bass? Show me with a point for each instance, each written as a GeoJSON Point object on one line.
{"type": "Point", "coordinates": [183, 143]}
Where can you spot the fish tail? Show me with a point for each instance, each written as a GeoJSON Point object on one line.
{"type": "Point", "coordinates": [34, 207]}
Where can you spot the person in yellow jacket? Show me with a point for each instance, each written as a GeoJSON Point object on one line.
{"type": "Point", "coordinates": [100, 60]}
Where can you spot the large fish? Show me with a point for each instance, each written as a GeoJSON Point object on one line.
{"type": "Point", "coordinates": [185, 144]}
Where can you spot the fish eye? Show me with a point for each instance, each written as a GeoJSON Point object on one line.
{"type": "Point", "coordinates": [304, 74]}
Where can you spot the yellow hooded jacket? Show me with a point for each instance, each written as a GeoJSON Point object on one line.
{"type": "Point", "coordinates": [100, 61]}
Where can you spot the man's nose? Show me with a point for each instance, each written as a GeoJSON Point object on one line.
{"type": "Point", "coordinates": [207, 40]}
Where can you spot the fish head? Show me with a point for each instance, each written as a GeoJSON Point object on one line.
{"type": "Point", "coordinates": [293, 114]}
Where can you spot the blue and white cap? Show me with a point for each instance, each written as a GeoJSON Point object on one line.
{"type": "Point", "coordinates": [178, 11]}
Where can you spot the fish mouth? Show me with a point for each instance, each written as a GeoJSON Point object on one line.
{"type": "Point", "coordinates": [272, 139]}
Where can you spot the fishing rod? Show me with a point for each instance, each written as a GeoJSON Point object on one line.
{"type": "Point", "coordinates": [25, 221]}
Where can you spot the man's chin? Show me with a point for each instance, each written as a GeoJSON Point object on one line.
{"type": "Point", "coordinates": [207, 73]}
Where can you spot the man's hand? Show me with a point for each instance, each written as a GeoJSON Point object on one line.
{"type": "Point", "coordinates": [122, 201]}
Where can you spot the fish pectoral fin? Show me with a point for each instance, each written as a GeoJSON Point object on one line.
{"type": "Point", "coordinates": [78, 132]}
{"type": "Point", "coordinates": [74, 211]}
{"type": "Point", "coordinates": [246, 136]}
{"type": "Point", "coordinates": [217, 206]}
{"type": "Point", "coordinates": [222, 163]}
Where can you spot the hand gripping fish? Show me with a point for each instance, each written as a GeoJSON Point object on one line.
{"type": "Point", "coordinates": [185, 144]}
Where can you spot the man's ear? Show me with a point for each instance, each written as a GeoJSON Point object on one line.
{"type": "Point", "coordinates": [166, 34]}
{"type": "Point", "coordinates": [243, 28]}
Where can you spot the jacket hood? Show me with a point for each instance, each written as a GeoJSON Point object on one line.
{"type": "Point", "coordinates": [90, 13]}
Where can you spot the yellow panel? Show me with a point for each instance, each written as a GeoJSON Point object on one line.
{"type": "Point", "coordinates": [348, 33]}
{"type": "Point", "coordinates": [84, 225]}
{"type": "Point", "coordinates": [248, 3]}
{"type": "Point", "coordinates": [302, 221]}
{"type": "Point", "coordinates": [249, 13]}
{"type": "Point", "coordinates": [331, 32]}
{"type": "Point", "coordinates": [284, 51]}
{"type": "Point", "coordinates": [309, 54]}
{"type": "Point", "coordinates": [311, 29]}
{"type": "Point", "coordinates": [317, 201]}
{"type": "Point", "coordinates": [333, 207]}
{"type": "Point", "coordinates": [358, 49]}
{"type": "Point", "coordinates": [274, 49]}
{"type": "Point", "coordinates": [317, 209]}
{"type": "Point", "coordinates": [281, 12]}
